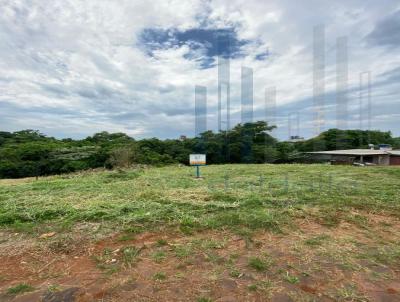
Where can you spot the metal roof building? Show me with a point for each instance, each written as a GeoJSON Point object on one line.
{"type": "Point", "coordinates": [362, 156]}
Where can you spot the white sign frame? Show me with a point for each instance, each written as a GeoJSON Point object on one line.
{"type": "Point", "coordinates": [197, 159]}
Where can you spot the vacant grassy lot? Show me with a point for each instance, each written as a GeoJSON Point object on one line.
{"type": "Point", "coordinates": [242, 233]}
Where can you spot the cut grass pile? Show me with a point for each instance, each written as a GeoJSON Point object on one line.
{"type": "Point", "coordinates": [233, 196]}
{"type": "Point", "coordinates": [20, 288]}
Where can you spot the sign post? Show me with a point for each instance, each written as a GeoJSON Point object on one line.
{"type": "Point", "coordinates": [197, 160]}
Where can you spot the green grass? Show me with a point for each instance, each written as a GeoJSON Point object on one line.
{"type": "Point", "coordinates": [257, 197]}
{"type": "Point", "coordinates": [160, 276]}
{"type": "Point", "coordinates": [317, 240]}
{"type": "Point", "coordinates": [162, 242]}
{"type": "Point", "coordinates": [129, 255]}
{"type": "Point", "coordinates": [388, 254]}
{"type": "Point", "coordinates": [53, 288]}
{"type": "Point", "coordinates": [126, 237]}
{"type": "Point", "coordinates": [259, 264]}
{"type": "Point", "coordinates": [166, 201]}
{"type": "Point", "coordinates": [183, 251]}
{"type": "Point", "coordinates": [252, 287]}
{"type": "Point", "coordinates": [202, 299]}
{"type": "Point", "coordinates": [20, 288]}
{"type": "Point", "coordinates": [350, 293]}
{"type": "Point", "coordinates": [291, 279]}
{"type": "Point", "coordinates": [159, 256]}
{"type": "Point", "coordinates": [235, 273]}
{"type": "Point", "coordinates": [262, 285]}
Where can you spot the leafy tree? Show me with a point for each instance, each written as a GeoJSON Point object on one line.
{"type": "Point", "coordinates": [335, 139]}
{"type": "Point", "coordinates": [396, 143]}
{"type": "Point", "coordinates": [123, 157]}
{"type": "Point", "coordinates": [31, 153]}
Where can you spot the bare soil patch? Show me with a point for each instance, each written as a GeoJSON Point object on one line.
{"type": "Point", "coordinates": [310, 262]}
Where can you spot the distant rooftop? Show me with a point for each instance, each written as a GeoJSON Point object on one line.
{"type": "Point", "coordinates": [358, 152]}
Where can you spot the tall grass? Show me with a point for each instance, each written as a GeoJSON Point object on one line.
{"type": "Point", "coordinates": [254, 196]}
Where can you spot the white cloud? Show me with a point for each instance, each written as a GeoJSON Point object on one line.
{"type": "Point", "coordinates": [71, 68]}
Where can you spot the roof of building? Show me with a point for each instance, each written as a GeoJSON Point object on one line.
{"type": "Point", "coordinates": [356, 152]}
{"type": "Point", "coordinates": [394, 152]}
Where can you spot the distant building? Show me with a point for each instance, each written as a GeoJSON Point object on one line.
{"type": "Point", "coordinates": [182, 137]}
{"type": "Point", "coordinates": [295, 139]}
{"type": "Point", "coordinates": [385, 147]}
{"type": "Point", "coordinates": [381, 157]}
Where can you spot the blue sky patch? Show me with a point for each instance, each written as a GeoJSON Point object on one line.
{"type": "Point", "coordinates": [262, 56]}
{"type": "Point", "coordinates": [205, 44]}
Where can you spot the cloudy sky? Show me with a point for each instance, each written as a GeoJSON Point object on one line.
{"type": "Point", "coordinates": [70, 68]}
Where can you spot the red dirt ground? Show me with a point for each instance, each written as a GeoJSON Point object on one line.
{"type": "Point", "coordinates": [215, 266]}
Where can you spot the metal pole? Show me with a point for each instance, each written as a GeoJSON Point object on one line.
{"type": "Point", "coordinates": [198, 171]}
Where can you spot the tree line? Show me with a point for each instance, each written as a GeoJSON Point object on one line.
{"type": "Point", "coordinates": [29, 153]}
